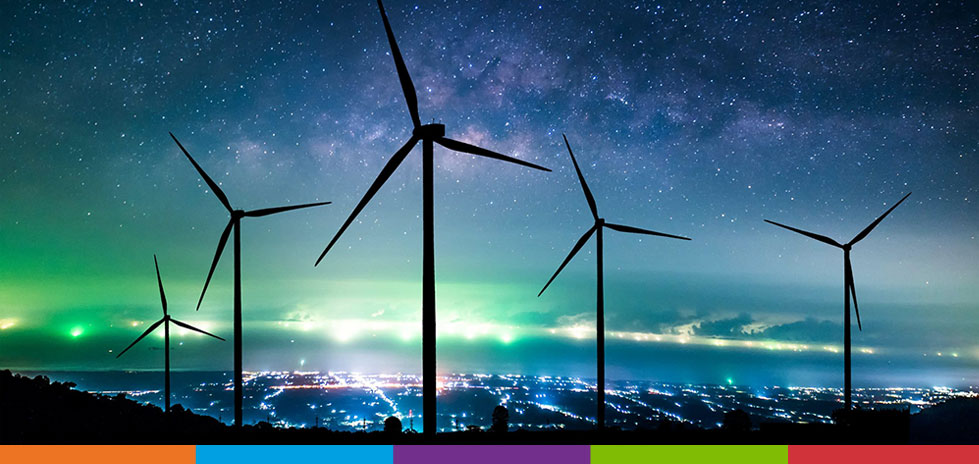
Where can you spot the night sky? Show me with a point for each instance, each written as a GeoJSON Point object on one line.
{"type": "Point", "coordinates": [692, 119]}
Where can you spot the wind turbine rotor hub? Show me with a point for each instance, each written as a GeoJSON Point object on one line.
{"type": "Point", "coordinates": [430, 131]}
{"type": "Point", "coordinates": [238, 213]}
{"type": "Point", "coordinates": [847, 246]}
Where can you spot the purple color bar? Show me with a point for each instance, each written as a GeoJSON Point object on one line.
{"type": "Point", "coordinates": [491, 454]}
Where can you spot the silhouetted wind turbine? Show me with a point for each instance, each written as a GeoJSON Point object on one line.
{"type": "Point", "coordinates": [427, 134]}
{"type": "Point", "coordinates": [849, 290]}
{"type": "Point", "coordinates": [234, 223]}
{"type": "Point", "coordinates": [166, 320]}
{"type": "Point", "coordinates": [597, 230]}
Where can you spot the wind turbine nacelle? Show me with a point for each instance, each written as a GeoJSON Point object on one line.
{"type": "Point", "coordinates": [430, 131]}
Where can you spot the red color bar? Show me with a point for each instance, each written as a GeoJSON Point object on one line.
{"type": "Point", "coordinates": [884, 454]}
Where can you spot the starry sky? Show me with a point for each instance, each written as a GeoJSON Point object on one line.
{"type": "Point", "coordinates": [697, 119]}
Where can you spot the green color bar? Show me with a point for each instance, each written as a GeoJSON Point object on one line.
{"type": "Point", "coordinates": [691, 454]}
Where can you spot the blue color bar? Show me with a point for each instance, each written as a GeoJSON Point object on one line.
{"type": "Point", "coordinates": [364, 454]}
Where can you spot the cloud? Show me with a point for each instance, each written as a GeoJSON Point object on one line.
{"type": "Point", "coordinates": [577, 320]}
{"type": "Point", "coordinates": [744, 326]}
{"type": "Point", "coordinates": [806, 330]}
{"type": "Point", "coordinates": [729, 327]}
{"type": "Point", "coordinates": [298, 316]}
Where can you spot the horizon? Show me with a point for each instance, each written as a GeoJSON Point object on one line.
{"type": "Point", "coordinates": [361, 402]}
{"type": "Point", "coordinates": [728, 382]}
{"type": "Point", "coordinates": [677, 128]}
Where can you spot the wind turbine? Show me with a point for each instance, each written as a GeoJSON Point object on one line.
{"type": "Point", "coordinates": [849, 290]}
{"type": "Point", "coordinates": [166, 320]}
{"type": "Point", "coordinates": [428, 134]}
{"type": "Point", "coordinates": [596, 229]}
{"type": "Point", "coordinates": [234, 223]}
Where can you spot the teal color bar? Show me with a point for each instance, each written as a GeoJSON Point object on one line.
{"type": "Point", "coordinates": [246, 454]}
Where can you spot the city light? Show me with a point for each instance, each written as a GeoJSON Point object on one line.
{"type": "Point", "coordinates": [537, 402]}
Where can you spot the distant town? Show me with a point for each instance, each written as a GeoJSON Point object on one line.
{"type": "Point", "coordinates": [354, 402]}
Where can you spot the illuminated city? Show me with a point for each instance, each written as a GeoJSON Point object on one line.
{"type": "Point", "coordinates": [346, 401]}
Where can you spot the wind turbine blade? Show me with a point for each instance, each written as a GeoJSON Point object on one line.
{"type": "Point", "coordinates": [577, 246]}
{"type": "Point", "coordinates": [853, 291]}
{"type": "Point", "coordinates": [281, 209]}
{"type": "Point", "coordinates": [214, 187]}
{"type": "Point", "coordinates": [869, 228]}
{"type": "Point", "coordinates": [463, 147]}
{"type": "Point", "coordinates": [195, 329]}
{"type": "Point", "coordinates": [389, 169]}
{"type": "Point", "coordinates": [411, 98]}
{"type": "Point", "coordinates": [581, 178]}
{"type": "Point", "coordinates": [217, 256]}
{"type": "Point", "coordinates": [636, 230]}
{"type": "Point", "coordinates": [163, 296]}
{"type": "Point", "coordinates": [821, 238]}
{"type": "Point", "coordinates": [152, 327]}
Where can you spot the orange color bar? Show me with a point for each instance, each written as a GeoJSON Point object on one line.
{"type": "Point", "coordinates": [99, 454]}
